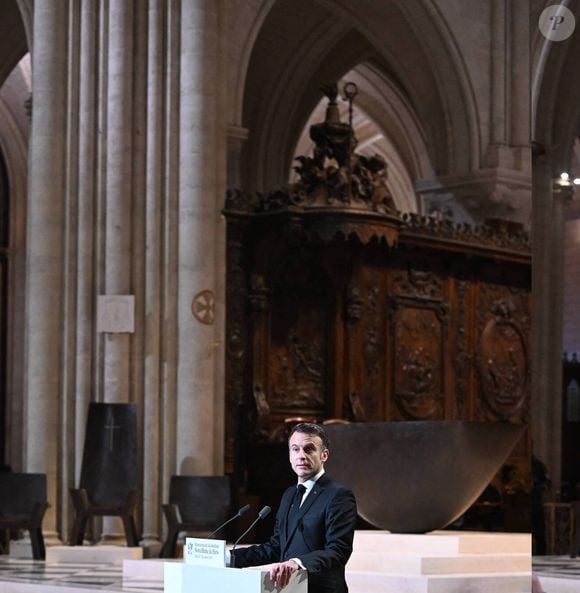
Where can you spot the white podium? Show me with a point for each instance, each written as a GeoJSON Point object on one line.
{"type": "Point", "coordinates": [189, 578]}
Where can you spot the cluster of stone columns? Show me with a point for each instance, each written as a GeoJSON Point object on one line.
{"type": "Point", "coordinates": [550, 199]}
{"type": "Point", "coordinates": [125, 188]}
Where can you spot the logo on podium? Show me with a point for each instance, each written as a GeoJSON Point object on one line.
{"type": "Point", "coordinates": [205, 552]}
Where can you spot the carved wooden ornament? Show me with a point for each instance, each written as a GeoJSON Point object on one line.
{"type": "Point", "coordinates": [503, 367]}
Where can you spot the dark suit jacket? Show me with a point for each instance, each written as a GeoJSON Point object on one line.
{"type": "Point", "coordinates": [321, 537]}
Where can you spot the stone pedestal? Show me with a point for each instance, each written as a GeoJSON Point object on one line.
{"type": "Point", "coordinates": [440, 562]}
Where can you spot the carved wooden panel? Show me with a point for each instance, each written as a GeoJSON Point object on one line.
{"type": "Point", "coordinates": [418, 334]}
{"type": "Point", "coordinates": [502, 353]}
{"type": "Point", "coordinates": [365, 343]}
{"type": "Point", "coordinates": [503, 365]}
{"type": "Point", "coordinates": [301, 319]}
{"type": "Point", "coordinates": [418, 280]}
{"type": "Point", "coordinates": [236, 381]}
{"type": "Point", "coordinates": [462, 358]}
{"type": "Point", "coordinates": [364, 331]}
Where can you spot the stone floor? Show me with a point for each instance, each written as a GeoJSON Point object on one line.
{"type": "Point", "coordinates": [30, 576]}
{"type": "Point", "coordinates": [558, 574]}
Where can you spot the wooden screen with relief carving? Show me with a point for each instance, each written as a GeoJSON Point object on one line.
{"type": "Point", "coordinates": [431, 328]}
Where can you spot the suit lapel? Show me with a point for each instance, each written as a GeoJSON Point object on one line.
{"type": "Point", "coordinates": [316, 491]}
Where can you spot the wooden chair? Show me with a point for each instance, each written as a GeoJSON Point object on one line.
{"type": "Point", "coordinates": [575, 548]}
{"type": "Point", "coordinates": [109, 473]}
{"type": "Point", "coordinates": [23, 505]}
{"type": "Point", "coordinates": [85, 509]}
{"type": "Point", "coordinates": [197, 504]}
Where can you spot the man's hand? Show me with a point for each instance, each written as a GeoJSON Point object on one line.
{"type": "Point", "coordinates": [281, 572]}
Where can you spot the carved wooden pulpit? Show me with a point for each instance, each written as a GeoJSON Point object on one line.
{"type": "Point", "coordinates": [338, 306]}
{"type": "Point", "coordinates": [109, 475]}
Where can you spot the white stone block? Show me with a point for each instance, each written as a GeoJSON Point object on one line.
{"type": "Point", "coordinates": [467, 563]}
{"type": "Point", "coordinates": [20, 548]}
{"type": "Point", "coordinates": [442, 543]}
{"type": "Point", "coordinates": [150, 569]}
{"type": "Point", "coordinates": [92, 554]}
{"type": "Point", "coordinates": [367, 582]}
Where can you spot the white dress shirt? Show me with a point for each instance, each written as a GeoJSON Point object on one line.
{"type": "Point", "coordinates": [309, 484]}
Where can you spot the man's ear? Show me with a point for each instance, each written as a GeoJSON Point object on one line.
{"type": "Point", "coordinates": [325, 454]}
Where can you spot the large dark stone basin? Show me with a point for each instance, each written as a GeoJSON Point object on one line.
{"type": "Point", "coordinates": [414, 477]}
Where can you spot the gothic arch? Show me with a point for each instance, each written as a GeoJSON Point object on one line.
{"type": "Point", "coordinates": [13, 40]}
{"type": "Point", "coordinates": [420, 49]}
{"type": "Point", "coordinates": [556, 97]}
{"type": "Point", "coordinates": [241, 43]}
{"type": "Point", "coordinates": [384, 124]}
{"type": "Point", "coordinates": [15, 88]}
{"type": "Point", "coordinates": [300, 46]}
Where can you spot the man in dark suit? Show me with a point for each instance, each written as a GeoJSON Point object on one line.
{"type": "Point", "coordinates": [315, 523]}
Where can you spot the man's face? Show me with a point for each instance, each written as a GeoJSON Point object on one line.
{"type": "Point", "coordinates": [306, 455]}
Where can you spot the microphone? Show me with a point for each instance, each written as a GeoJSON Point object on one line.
{"type": "Point", "coordinates": [241, 512]}
{"type": "Point", "coordinates": [261, 515]}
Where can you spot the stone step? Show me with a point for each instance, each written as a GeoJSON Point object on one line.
{"type": "Point", "coordinates": [466, 563]}
{"type": "Point", "coordinates": [368, 582]}
{"type": "Point", "coordinates": [442, 543]}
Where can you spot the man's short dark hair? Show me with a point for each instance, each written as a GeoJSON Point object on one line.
{"type": "Point", "coordinates": [314, 430]}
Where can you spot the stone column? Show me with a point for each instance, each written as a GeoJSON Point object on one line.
{"type": "Point", "coordinates": [199, 186]}
{"type": "Point", "coordinates": [519, 52]}
{"type": "Point", "coordinates": [153, 297]}
{"type": "Point", "coordinates": [80, 234]}
{"type": "Point", "coordinates": [45, 247]}
{"type": "Point", "coordinates": [117, 213]}
{"type": "Point", "coordinates": [116, 223]}
{"type": "Point", "coordinates": [547, 290]}
{"type": "Point", "coordinates": [552, 413]}
{"type": "Point", "coordinates": [170, 250]}
{"type": "Point", "coordinates": [499, 59]}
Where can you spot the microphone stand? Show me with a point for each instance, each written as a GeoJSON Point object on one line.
{"type": "Point", "coordinates": [261, 515]}
{"type": "Point", "coordinates": [241, 512]}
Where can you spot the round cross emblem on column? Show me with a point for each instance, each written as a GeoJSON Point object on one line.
{"type": "Point", "coordinates": [203, 307]}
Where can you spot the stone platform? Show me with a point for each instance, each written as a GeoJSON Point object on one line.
{"type": "Point", "coordinates": [440, 562]}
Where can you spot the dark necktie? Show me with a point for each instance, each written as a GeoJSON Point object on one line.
{"type": "Point", "coordinates": [295, 507]}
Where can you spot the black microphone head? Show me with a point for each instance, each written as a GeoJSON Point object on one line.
{"type": "Point", "coordinates": [264, 512]}
{"type": "Point", "coordinates": [243, 510]}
